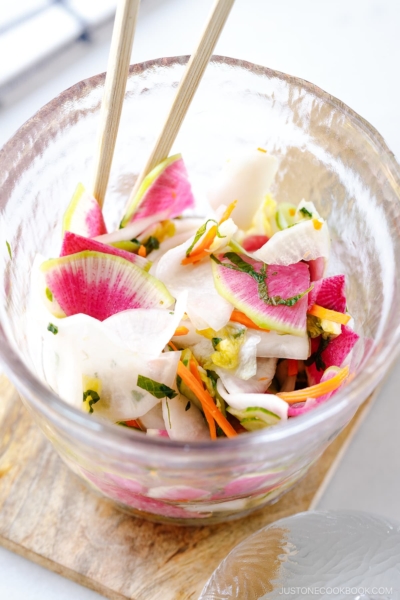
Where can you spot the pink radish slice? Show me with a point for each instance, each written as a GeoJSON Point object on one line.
{"type": "Point", "coordinates": [101, 285]}
{"type": "Point", "coordinates": [74, 243]}
{"type": "Point", "coordinates": [254, 242]}
{"type": "Point", "coordinates": [140, 502]}
{"type": "Point", "coordinates": [157, 433]}
{"type": "Point", "coordinates": [330, 293]}
{"type": "Point", "coordinates": [165, 190]}
{"type": "Point", "coordinates": [317, 268]}
{"type": "Point", "coordinates": [83, 215]}
{"type": "Point", "coordinates": [241, 290]}
{"type": "Point", "coordinates": [334, 355]}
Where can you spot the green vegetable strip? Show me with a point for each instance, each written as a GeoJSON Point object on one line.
{"type": "Point", "coordinates": [156, 389]}
{"type": "Point", "coordinates": [305, 212]}
{"type": "Point", "coordinates": [200, 232]}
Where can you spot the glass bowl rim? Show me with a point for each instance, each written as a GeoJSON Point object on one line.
{"type": "Point", "coordinates": [62, 414]}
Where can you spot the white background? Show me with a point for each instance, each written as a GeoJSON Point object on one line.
{"type": "Point", "coordinates": [350, 48]}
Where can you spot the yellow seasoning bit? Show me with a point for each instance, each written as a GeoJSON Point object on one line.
{"type": "Point", "coordinates": [292, 212]}
{"type": "Point", "coordinates": [262, 150]}
{"type": "Point", "coordinates": [317, 224]}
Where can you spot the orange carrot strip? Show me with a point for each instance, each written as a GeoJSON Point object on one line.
{"type": "Point", "coordinates": [315, 390]}
{"type": "Point", "coordinates": [133, 423]}
{"type": "Point", "coordinates": [205, 399]}
{"type": "Point", "coordinates": [142, 251]}
{"type": "Point", "coordinates": [181, 330]}
{"type": "Point", "coordinates": [330, 315]}
{"type": "Point", "coordinates": [194, 258]}
{"type": "Point", "coordinates": [211, 423]}
{"type": "Point", "coordinates": [239, 317]}
{"type": "Point", "coordinates": [228, 212]}
{"type": "Point", "coordinates": [293, 367]}
{"type": "Point", "coordinates": [194, 371]}
{"type": "Point", "coordinates": [206, 242]}
{"type": "Point", "coordinates": [173, 346]}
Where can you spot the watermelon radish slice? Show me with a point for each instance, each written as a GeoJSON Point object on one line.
{"type": "Point", "coordinates": [83, 215]}
{"type": "Point", "coordinates": [254, 242]}
{"type": "Point", "coordinates": [330, 293]}
{"type": "Point", "coordinates": [166, 190]}
{"type": "Point", "coordinates": [317, 268]}
{"type": "Point", "coordinates": [334, 354]}
{"type": "Point", "coordinates": [282, 284]}
{"type": "Point", "coordinates": [101, 285]}
{"type": "Point", "coordinates": [73, 243]}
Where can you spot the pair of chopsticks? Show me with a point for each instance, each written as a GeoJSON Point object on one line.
{"type": "Point", "coordinates": [115, 85]}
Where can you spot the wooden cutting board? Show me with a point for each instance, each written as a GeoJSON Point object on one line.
{"type": "Point", "coordinates": [49, 516]}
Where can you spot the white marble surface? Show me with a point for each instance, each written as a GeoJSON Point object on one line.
{"type": "Point", "coordinates": [349, 48]}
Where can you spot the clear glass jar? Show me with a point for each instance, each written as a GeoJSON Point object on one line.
{"type": "Point", "coordinates": [327, 154]}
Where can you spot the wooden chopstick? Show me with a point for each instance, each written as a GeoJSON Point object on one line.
{"type": "Point", "coordinates": [190, 81]}
{"type": "Point", "coordinates": [114, 92]}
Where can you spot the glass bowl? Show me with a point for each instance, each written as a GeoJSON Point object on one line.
{"type": "Point", "coordinates": [327, 154]}
{"type": "Point", "coordinates": [340, 555]}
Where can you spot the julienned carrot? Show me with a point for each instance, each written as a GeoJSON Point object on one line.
{"type": "Point", "coordinates": [142, 251]}
{"type": "Point", "coordinates": [228, 212]}
{"type": "Point", "coordinates": [239, 317]}
{"type": "Point", "coordinates": [211, 423]}
{"type": "Point", "coordinates": [194, 258]}
{"type": "Point", "coordinates": [133, 423]}
{"type": "Point", "coordinates": [293, 367]}
{"type": "Point", "coordinates": [315, 391]}
{"type": "Point", "coordinates": [200, 251]}
{"type": "Point", "coordinates": [205, 399]}
{"type": "Point", "coordinates": [181, 330]}
{"type": "Point", "coordinates": [330, 315]}
{"type": "Point", "coordinates": [174, 348]}
{"type": "Point", "coordinates": [206, 241]}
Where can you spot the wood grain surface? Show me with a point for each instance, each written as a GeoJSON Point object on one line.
{"type": "Point", "coordinates": [49, 516]}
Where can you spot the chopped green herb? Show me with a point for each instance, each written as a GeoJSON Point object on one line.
{"type": "Point", "coordinates": [156, 389]}
{"type": "Point", "coordinates": [136, 241]}
{"type": "Point", "coordinates": [238, 334]}
{"type": "Point", "coordinates": [316, 357]}
{"type": "Point", "coordinates": [52, 328]}
{"type": "Point", "coordinates": [171, 312]}
{"type": "Point", "coordinates": [169, 415]}
{"type": "Point", "coordinates": [151, 244]}
{"type": "Point", "coordinates": [9, 249]}
{"type": "Point", "coordinates": [275, 273]}
{"type": "Point", "coordinates": [188, 405]}
{"type": "Point", "coordinates": [137, 396]}
{"type": "Point", "coordinates": [305, 212]}
{"type": "Point", "coordinates": [215, 341]}
{"type": "Point", "coordinates": [213, 376]}
{"type": "Point", "coordinates": [93, 398]}
{"type": "Point", "coordinates": [260, 277]}
{"type": "Point", "coordinates": [49, 295]}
